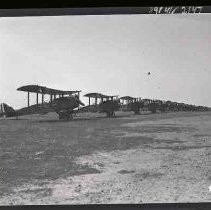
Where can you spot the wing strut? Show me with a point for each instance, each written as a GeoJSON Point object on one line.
{"type": "Point", "coordinates": [37, 99]}
{"type": "Point", "coordinates": [42, 98]}
{"type": "Point", "coordinates": [28, 99]}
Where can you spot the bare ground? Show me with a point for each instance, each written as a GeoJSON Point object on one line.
{"type": "Point", "coordinates": [92, 159]}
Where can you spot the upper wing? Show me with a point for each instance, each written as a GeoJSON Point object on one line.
{"type": "Point", "coordinates": [45, 90]}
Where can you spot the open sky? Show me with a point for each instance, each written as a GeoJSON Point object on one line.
{"type": "Point", "coordinates": [109, 54]}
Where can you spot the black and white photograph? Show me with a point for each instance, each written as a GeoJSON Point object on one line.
{"type": "Point", "coordinates": [105, 109]}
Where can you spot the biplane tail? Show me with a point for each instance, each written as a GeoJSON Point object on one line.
{"type": "Point", "coordinates": [7, 111]}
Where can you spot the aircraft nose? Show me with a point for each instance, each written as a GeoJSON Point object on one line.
{"type": "Point", "coordinates": [81, 103]}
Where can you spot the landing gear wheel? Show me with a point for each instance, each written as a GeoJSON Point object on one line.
{"type": "Point", "coordinates": [113, 114]}
{"type": "Point", "coordinates": [110, 114]}
{"type": "Point", "coordinates": [65, 115]}
{"type": "Point", "coordinates": [154, 111]}
{"type": "Point", "coordinates": [136, 111]}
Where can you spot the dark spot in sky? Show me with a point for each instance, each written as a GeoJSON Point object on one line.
{"type": "Point", "coordinates": [149, 73]}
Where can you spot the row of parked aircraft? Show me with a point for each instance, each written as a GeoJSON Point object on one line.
{"type": "Point", "coordinates": [68, 103]}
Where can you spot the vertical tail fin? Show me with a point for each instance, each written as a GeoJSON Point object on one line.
{"type": "Point", "coordinates": [6, 111]}
{"type": "Point", "coordinates": [2, 111]}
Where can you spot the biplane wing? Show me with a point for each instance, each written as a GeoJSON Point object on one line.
{"type": "Point", "coordinates": [96, 95]}
{"type": "Point", "coordinates": [45, 90]}
{"type": "Point", "coordinates": [100, 96]}
{"type": "Point", "coordinates": [127, 98]}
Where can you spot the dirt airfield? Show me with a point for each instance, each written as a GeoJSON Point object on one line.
{"type": "Point", "coordinates": [148, 158]}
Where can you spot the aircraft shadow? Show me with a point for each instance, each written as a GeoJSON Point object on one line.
{"type": "Point", "coordinates": [15, 119]}
{"type": "Point", "coordinates": [77, 119]}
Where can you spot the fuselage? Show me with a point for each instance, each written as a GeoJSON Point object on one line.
{"type": "Point", "coordinates": [59, 104]}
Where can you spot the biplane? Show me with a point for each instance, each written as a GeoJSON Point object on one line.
{"type": "Point", "coordinates": [129, 103]}
{"type": "Point", "coordinates": [102, 104]}
{"type": "Point", "coordinates": [62, 102]}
